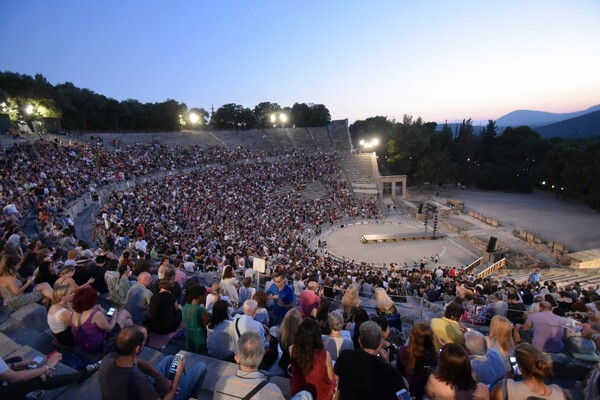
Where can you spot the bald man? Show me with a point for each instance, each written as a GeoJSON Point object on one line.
{"type": "Point", "coordinates": [309, 300]}
{"type": "Point", "coordinates": [138, 297]}
{"type": "Point", "coordinates": [548, 329]}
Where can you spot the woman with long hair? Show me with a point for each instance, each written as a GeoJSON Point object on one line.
{"type": "Point", "coordinates": [322, 315]}
{"type": "Point", "coordinates": [219, 342]}
{"type": "Point", "coordinates": [350, 301]}
{"type": "Point", "coordinates": [453, 379]}
{"type": "Point", "coordinates": [501, 338]}
{"type": "Point", "coordinates": [287, 334]}
{"type": "Point", "coordinates": [418, 359]}
{"type": "Point", "coordinates": [312, 369]}
{"type": "Point", "coordinates": [384, 304]}
{"type": "Point", "coordinates": [60, 313]}
{"type": "Point", "coordinates": [15, 293]}
{"type": "Point", "coordinates": [535, 367]}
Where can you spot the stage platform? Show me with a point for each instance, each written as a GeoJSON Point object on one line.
{"type": "Point", "coordinates": [400, 237]}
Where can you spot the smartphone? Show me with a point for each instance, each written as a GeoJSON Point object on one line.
{"type": "Point", "coordinates": [514, 365]}
{"type": "Point", "coordinates": [403, 394]}
{"type": "Point", "coordinates": [110, 312]}
{"type": "Point", "coordinates": [173, 368]}
{"type": "Point", "coordinates": [35, 363]}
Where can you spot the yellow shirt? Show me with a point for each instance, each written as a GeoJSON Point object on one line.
{"type": "Point", "coordinates": [446, 331]}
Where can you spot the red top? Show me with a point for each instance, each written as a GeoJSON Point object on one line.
{"type": "Point", "coordinates": [316, 382]}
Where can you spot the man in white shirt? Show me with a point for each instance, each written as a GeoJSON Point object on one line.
{"type": "Point", "coordinates": [247, 323]}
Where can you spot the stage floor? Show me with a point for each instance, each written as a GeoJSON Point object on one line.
{"type": "Point", "coordinates": [346, 242]}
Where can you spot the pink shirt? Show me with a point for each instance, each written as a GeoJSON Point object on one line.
{"type": "Point", "coordinates": [309, 300]}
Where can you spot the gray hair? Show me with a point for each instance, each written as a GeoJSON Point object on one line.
{"type": "Point", "coordinates": [335, 320]}
{"type": "Point", "coordinates": [250, 349]}
{"type": "Point", "coordinates": [250, 306]}
{"type": "Point", "coordinates": [475, 343]}
{"type": "Point", "coordinates": [370, 335]}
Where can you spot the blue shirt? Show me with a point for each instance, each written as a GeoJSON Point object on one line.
{"type": "Point", "coordinates": [286, 294]}
{"type": "Point", "coordinates": [489, 368]}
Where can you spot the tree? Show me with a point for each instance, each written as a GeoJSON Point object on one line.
{"type": "Point", "coordinates": [319, 115]}
{"type": "Point", "coordinates": [487, 141]}
{"type": "Point", "coordinates": [263, 112]}
{"type": "Point", "coordinates": [233, 116]}
{"type": "Point", "coordinates": [300, 114]}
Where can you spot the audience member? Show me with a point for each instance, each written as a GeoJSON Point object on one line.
{"type": "Point", "coordinates": [534, 367]}
{"type": "Point", "coordinates": [453, 378]}
{"type": "Point", "coordinates": [124, 375]}
{"type": "Point", "coordinates": [312, 369]}
{"type": "Point", "coordinates": [364, 373]}
{"type": "Point", "coordinates": [248, 379]}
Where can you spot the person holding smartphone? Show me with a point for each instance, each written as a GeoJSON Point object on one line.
{"type": "Point", "coordinates": [123, 375]}
{"type": "Point", "coordinates": [19, 377]}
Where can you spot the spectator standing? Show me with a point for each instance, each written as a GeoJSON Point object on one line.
{"type": "Point", "coordinates": [282, 296]}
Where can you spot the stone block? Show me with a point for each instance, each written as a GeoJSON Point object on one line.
{"type": "Point", "coordinates": [530, 236]}
{"type": "Point", "coordinates": [523, 234]}
{"type": "Point", "coordinates": [10, 325]}
{"type": "Point", "coordinates": [7, 346]}
{"type": "Point", "coordinates": [33, 316]}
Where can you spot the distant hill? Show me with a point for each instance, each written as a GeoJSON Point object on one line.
{"type": "Point", "coordinates": [582, 126]}
{"type": "Point", "coordinates": [539, 118]}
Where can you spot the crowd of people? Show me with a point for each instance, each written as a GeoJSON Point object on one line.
{"type": "Point", "coordinates": [159, 246]}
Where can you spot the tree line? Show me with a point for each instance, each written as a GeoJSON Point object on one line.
{"type": "Point", "coordinates": [25, 97]}
{"type": "Point", "coordinates": [518, 159]}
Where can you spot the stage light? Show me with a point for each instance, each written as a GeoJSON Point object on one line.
{"type": "Point", "coordinates": [283, 118]}
{"type": "Point", "coordinates": [273, 118]}
{"type": "Point", "coordinates": [194, 118]}
{"type": "Point", "coordinates": [29, 109]}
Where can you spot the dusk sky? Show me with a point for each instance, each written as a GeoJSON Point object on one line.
{"type": "Point", "coordinates": [435, 59]}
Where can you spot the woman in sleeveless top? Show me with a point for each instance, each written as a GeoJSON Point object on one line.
{"type": "Point", "coordinates": [195, 319]}
{"type": "Point", "coordinates": [89, 322]}
{"type": "Point", "coordinates": [312, 369]}
{"type": "Point", "coordinates": [13, 291]}
{"type": "Point", "coordinates": [535, 367]}
{"type": "Point", "coordinates": [60, 313]}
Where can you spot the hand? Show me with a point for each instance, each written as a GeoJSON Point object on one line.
{"type": "Point", "coordinates": [29, 280]}
{"type": "Point", "coordinates": [180, 366]}
{"type": "Point", "coordinates": [91, 280]}
{"type": "Point", "coordinates": [53, 359]}
{"type": "Point", "coordinates": [385, 355]}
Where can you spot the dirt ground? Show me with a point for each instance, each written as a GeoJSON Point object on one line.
{"type": "Point", "coordinates": [553, 219]}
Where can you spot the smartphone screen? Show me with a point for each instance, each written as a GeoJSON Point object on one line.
{"type": "Point", "coordinates": [402, 394]}
{"type": "Point", "coordinates": [514, 365]}
{"type": "Point", "coordinates": [110, 312]}
{"type": "Point", "coordinates": [175, 363]}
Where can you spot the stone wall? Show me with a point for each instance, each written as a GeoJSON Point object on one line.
{"type": "Point", "coordinates": [483, 218]}
{"type": "Point", "coordinates": [536, 242]}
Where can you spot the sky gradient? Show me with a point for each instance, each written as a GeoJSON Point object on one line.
{"type": "Point", "coordinates": [434, 59]}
